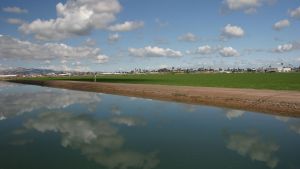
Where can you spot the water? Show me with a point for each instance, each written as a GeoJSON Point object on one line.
{"type": "Point", "coordinates": [54, 128]}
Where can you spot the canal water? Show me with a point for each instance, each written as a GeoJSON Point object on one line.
{"type": "Point", "coordinates": [43, 128]}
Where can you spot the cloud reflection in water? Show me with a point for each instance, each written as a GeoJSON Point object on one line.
{"type": "Point", "coordinates": [13, 104]}
{"type": "Point", "coordinates": [97, 139]}
{"type": "Point", "coordinates": [252, 145]}
{"type": "Point", "coordinates": [231, 114]}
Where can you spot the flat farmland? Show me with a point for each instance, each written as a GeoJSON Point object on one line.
{"type": "Point", "coordinates": [273, 81]}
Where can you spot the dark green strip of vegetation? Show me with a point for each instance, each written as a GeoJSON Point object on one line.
{"type": "Point", "coordinates": [276, 81]}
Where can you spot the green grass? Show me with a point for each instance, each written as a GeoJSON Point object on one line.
{"type": "Point", "coordinates": [276, 81]}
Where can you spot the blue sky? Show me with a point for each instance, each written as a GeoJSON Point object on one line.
{"type": "Point", "coordinates": [112, 35]}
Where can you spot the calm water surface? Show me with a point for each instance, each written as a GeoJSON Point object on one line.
{"type": "Point", "coordinates": [43, 128]}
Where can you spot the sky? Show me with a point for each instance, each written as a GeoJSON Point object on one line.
{"type": "Point", "coordinates": [121, 35]}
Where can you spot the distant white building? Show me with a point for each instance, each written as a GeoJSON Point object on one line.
{"type": "Point", "coordinates": [64, 74]}
{"type": "Point", "coordinates": [284, 69]}
{"type": "Point", "coordinates": [271, 69]}
{"type": "Point", "coordinates": [8, 75]}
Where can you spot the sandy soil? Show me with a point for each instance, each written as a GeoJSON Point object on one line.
{"type": "Point", "coordinates": [286, 103]}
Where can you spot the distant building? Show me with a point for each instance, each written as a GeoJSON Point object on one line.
{"type": "Point", "coordinates": [271, 69]}
{"type": "Point", "coordinates": [3, 76]}
{"type": "Point", "coordinates": [64, 74]}
{"type": "Point", "coordinates": [284, 69]}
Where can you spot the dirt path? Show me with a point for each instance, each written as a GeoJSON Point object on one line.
{"type": "Point", "coordinates": [286, 103]}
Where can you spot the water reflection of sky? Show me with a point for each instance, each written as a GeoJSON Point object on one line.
{"type": "Point", "coordinates": [17, 103]}
{"type": "Point", "coordinates": [106, 131]}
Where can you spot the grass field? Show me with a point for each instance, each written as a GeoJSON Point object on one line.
{"type": "Point", "coordinates": [276, 81]}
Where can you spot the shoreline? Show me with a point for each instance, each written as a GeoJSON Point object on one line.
{"type": "Point", "coordinates": [283, 103]}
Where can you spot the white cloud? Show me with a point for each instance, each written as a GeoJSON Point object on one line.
{"type": "Point", "coordinates": [63, 61]}
{"type": "Point", "coordinates": [228, 51]}
{"type": "Point", "coordinates": [47, 61]}
{"type": "Point", "coordinates": [247, 6]}
{"type": "Point", "coordinates": [188, 37]}
{"type": "Point", "coordinates": [15, 9]}
{"type": "Point", "coordinates": [208, 50]}
{"type": "Point", "coordinates": [77, 63]}
{"type": "Point", "coordinates": [11, 48]}
{"type": "Point", "coordinates": [253, 146]}
{"type": "Point", "coordinates": [102, 59]}
{"type": "Point", "coordinates": [162, 66]}
{"type": "Point", "coordinates": [65, 67]}
{"type": "Point", "coordinates": [204, 50]}
{"type": "Point", "coordinates": [15, 21]}
{"type": "Point", "coordinates": [284, 48]}
{"type": "Point", "coordinates": [281, 24]}
{"type": "Point", "coordinates": [150, 51]}
{"type": "Point", "coordinates": [113, 37]}
{"type": "Point", "coordinates": [126, 26]}
{"type": "Point", "coordinates": [295, 13]}
{"type": "Point", "coordinates": [74, 18]}
{"type": "Point", "coordinates": [231, 31]}
{"type": "Point", "coordinates": [90, 42]}
{"type": "Point", "coordinates": [242, 4]}
{"type": "Point", "coordinates": [291, 46]}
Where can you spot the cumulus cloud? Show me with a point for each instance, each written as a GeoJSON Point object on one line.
{"type": "Point", "coordinates": [281, 24]}
{"type": "Point", "coordinates": [102, 59]}
{"type": "Point", "coordinates": [247, 6]}
{"type": "Point", "coordinates": [255, 147]}
{"type": "Point", "coordinates": [14, 9]}
{"type": "Point", "coordinates": [47, 61]}
{"type": "Point", "coordinates": [295, 13]}
{"type": "Point", "coordinates": [74, 18]}
{"type": "Point", "coordinates": [231, 31]}
{"type": "Point", "coordinates": [287, 47]}
{"type": "Point", "coordinates": [204, 50]}
{"type": "Point", "coordinates": [228, 52]}
{"type": "Point", "coordinates": [65, 67]}
{"type": "Point", "coordinates": [11, 48]}
{"type": "Point", "coordinates": [284, 48]}
{"type": "Point", "coordinates": [231, 114]}
{"type": "Point", "coordinates": [15, 21]}
{"type": "Point", "coordinates": [90, 42]}
{"type": "Point", "coordinates": [188, 37]}
{"type": "Point", "coordinates": [208, 50]}
{"type": "Point", "coordinates": [97, 139]}
{"type": "Point", "coordinates": [126, 26]}
{"type": "Point", "coordinates": [242, 4]}
{"type": "Point", "coordinates": [77, 63]}
{"type": "Point", "coordinates": [150, 51]}
{"type": "Point", "coordinates": [113, 38]}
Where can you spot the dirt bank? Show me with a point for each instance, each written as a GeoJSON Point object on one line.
{"type": "Point", "coordinates": [286, 103]}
